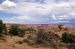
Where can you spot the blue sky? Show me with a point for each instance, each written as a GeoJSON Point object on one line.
{"type": "Point", "coordinates": [37, 11]}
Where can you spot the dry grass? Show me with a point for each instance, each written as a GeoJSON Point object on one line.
{"type": "Point", "coordinates": [11, 44]}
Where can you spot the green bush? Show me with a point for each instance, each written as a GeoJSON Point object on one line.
{"type": "Point", "coordinates": [21, 33]}
{"type": "Point", "coordinates": [68, 38]}
{"type": "Point", "coordinates": [2, 27]}
{"type": "Point", "coordinates": [15, 31]}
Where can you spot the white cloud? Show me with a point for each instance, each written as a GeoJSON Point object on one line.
{"type": "Point", "coordinates": [62, 17]}
{"type": "Point", "coordinates": [27, 8]}
{"type": "Point", "coordinates": [41, 12]}
{"type": "Point", "coordinates": [22, 18]}
{"type": "Point", "coordinates": [54, 17]}
{"type": "Point", "coordinates": [1, 8]}
{"type": "Point", "coordinates": [68, 16]}
{"type": "Point", "coordinates": [7, 5]}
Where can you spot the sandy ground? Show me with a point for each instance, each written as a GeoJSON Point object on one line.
{"type": "Point", "coordinates": [9, 43]}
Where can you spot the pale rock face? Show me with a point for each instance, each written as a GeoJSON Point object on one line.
{"type": "Point", "coordinates": [8, 4]}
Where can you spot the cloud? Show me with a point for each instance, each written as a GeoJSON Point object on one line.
{"type": "Point", "coordinates": [7, 5]}
{"type": "Point", "coordinates": [54, 17]}
{"type": "Point", "coordinates": [34, 11]}
{"type": "Point", "coordinates": [27, 8]}
{"type": "Point", "coordinates": [22, 18]}
{"type": "Point", "coordinates": [1, 9]}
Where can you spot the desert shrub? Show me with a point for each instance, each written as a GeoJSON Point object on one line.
{"type": "Point", "coordinates": [20, 42]}
{"type": "Point", "coordinates": [15, 31]}
{"type": "Point", "coordinates": [31, 42]}
{"type": "Point", "coordinates": [68, 38]}
{"type": "Point", "coordinates": [21, 33]}
{"type": "Point", "coordinates": [47, 38]}
{"type": "Point", "coordinates": [42, 37]}
{"type": "Point", "coordinates": [30, 29]}
{"type": "Point", "coordinates": [2, 27]}
{"type": "Point", "coordinates": [39, 38]}
{"type": "Point", "coordinates": [25, 41]}
{"type": "Point", "coordinates": [60, 27]}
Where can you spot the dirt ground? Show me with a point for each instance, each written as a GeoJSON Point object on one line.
{"type": "Point", "coordinates": [10, 43]}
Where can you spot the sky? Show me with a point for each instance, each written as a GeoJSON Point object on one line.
{"type": "Point", "coordinates": [37, 11]}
